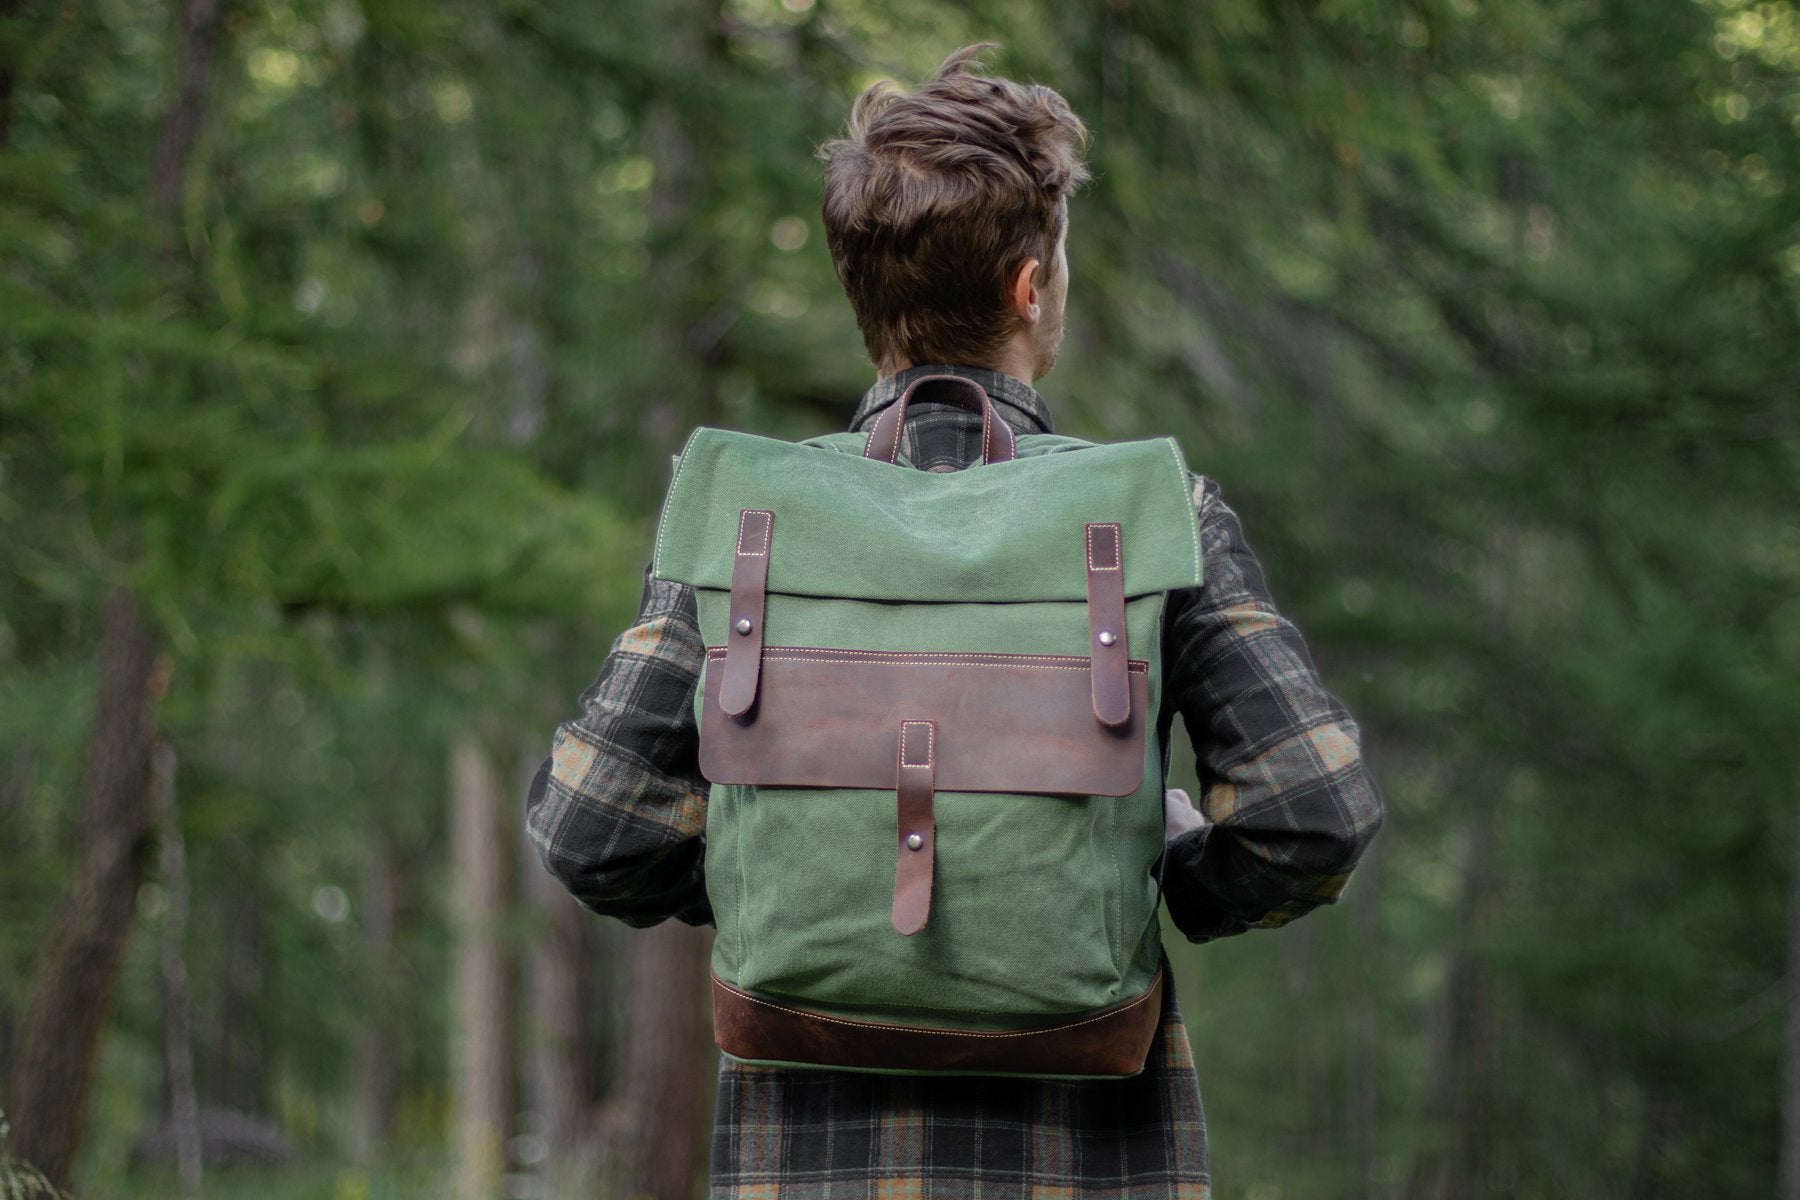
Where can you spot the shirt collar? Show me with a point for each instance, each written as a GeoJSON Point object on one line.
{"type": "Point", "coordinates": [1017, 402]}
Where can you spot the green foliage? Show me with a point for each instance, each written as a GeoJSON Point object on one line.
{"type": "Point", "coordinates": [1482, 314]}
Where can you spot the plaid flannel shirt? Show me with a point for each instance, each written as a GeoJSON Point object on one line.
{"type": "Point", "coordinates": [618, 811]}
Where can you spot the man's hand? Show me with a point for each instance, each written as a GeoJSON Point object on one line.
{"type": "Point", "coordinates": [1179, 815]}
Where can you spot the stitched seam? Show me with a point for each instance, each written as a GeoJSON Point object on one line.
{"type": "Point", "coordinates": [895, 658]}
{"type": "Point", "coordinates": [899, 410]}
{"type": "Point", "coordinates": [930, 743]}
{"type": "Point", "coordinates": [1113, 819]}
{"type": "Point", "coordinates": [1118, 557]}
{"type": "Point", "coordinates": [966, 1033]}
{"type": "Point", "coordinates": [768, 527]}
{"type": "Point", "coordinates": [1187, 488]}
{"type": "Point", "coordinates": [737, 901]}
{"type": "Point", "coordinates": [663, 528]}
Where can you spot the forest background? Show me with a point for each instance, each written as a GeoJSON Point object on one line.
{"type": "Point", "coordinates": [343, 344]}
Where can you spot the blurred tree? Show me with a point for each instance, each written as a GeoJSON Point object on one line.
{"type": "Point", "coordinates": [1481, 314]}
{"type": "Point", "coordinates": [75, 977]}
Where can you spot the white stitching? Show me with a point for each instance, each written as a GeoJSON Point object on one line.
{"type": "Point", "coordinates": [767, 529]}
{"type": "Point", "coordinates": [1185, 476]}
{"type": "Point", "coordinates": [662, 527]}
{"type": "Point", "coordinates": [943, 655]}
{"type": "Point", "coordinates": [895, 658]}
{"type": "Point", "coordinates": [930, 743]}
{"type": "Point", "coordinates": [1018, 1033]}
{"type": "Point", "coordinates": [869, 442]}
{"type": "Point", "coordinates": [899, 411]}
{"type": "Point", "coordinates": [1118, 547]}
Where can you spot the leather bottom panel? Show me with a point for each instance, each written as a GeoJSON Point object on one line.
{"type": "Point", "coordinates": [1112, 1043]}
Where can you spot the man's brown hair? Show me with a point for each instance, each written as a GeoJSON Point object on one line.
{"type": "Point", "coordinates": [933, 198]}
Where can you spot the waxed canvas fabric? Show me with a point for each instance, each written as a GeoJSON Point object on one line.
{"type": "Point", "coordinates": [991, 559]}
{"type": "Point", "coordinates": [989, 534]}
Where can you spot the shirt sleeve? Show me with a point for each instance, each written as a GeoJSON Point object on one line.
{"type": "Point", "coordinates": [618, 810]}
{"type": "Point", "coordinates": [1288, 802]}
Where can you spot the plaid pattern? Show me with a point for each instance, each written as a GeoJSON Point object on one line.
{"type": "Point", "coordinates": [1289, 806]}
{"type": "Point", "coordinates": [814, 1135]}
{"type": "Point", "coordinates": [617, 813]}
{"type": "Point", "coordinates": [618, 810]}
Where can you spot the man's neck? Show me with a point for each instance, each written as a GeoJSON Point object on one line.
{"type": "Point", "coordinates": [1017, 358]}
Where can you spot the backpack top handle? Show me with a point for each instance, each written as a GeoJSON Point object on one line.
{"type": "Point", "coordinates": [997, 443]}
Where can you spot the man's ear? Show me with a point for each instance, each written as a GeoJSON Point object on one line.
{"type": "Point", "coordinates": [1022, 292]}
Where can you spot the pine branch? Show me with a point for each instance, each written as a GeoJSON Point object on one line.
{"type": "Point", "coordinates": [21, 1180]}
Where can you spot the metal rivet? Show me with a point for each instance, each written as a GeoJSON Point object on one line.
{"type": "Point", "coordinates": [1107, 637]}
{"type": "Point", "coordinates": [914, 841]}
{"type": "Point", "coordinates": [743, 625]}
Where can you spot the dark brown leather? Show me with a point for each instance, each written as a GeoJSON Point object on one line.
{"type": "Point", "coordinates": [749, 586]}
{"type": "Point", "coordinates": [914, 788]}
{"type": "Point", "coordinates": [1112, 1042]}
{"type": "Point", "coordinates": [1005, 722]}
{"type": "Point", "coordinates": [997, 441]}
{"type": "Point", "coordinates": [1106, 622]}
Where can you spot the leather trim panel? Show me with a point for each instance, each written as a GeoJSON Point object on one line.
{"type": "Point", "coordinates": [1010, 723]}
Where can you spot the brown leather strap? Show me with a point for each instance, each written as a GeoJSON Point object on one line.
{"type": "Point", "coordinates": [1106, 623]}
{"type": "Point", "coordinates": [1113, 1042]}
{"type": "Point", "coordinates": [997, 442]}
{"type": "Point", "coordinates": [917, 826]}
{"type": "Point", "coordinates": [744, 636]}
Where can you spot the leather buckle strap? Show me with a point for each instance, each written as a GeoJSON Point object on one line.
{"type": "Point", "coordinates": [749, 589]}
{"type": "Point", "coordinates": [1109, 661]}
{"type": "Point", "coordinates": [997, 441]}
{"type": "Point", "coordinates": [914, 788]}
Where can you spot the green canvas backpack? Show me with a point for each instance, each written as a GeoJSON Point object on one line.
{"type": "Point", "coordinates": [929, 719]}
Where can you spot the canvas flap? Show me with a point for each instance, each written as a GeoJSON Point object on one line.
{"type": "Point", "coordinates": [850, 526]}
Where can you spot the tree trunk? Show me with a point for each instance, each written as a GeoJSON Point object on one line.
{"type": "Point", "coordinates": [1661, 1125]}
{"type": "Point", "coordinates": [15, 804]}
{"type": "Point", "coordinates": [694, 318]}
{"type": "Point", "coordinates": [15, 844]}
{"type": "Point", "coordinates": [483, 1050]}
{"type": "Point", "coordinates": [375, 1071]}
{"type": "Point", "coordinates": [9, 12]}
{"type": "Point", "coordinates": [184, 1108]}
{"type": "Point", "coordinates": [1300, 955]}
{"type": "Point", "coordinates": [72, 983]}
{"type": "Point", "coordinates": [200, 26]}
{"type": "Point", "coordinates": [669, 1063]}
{"type": "Point", "coordinates": [236, 1041]}
{"type": "Point", "coordinates": [1461, 1085]}
{"type": "Point", "coordinates": [1790, 1092]}
{"type": "Point", "coordinates": [1362, 1097]}
{"type": "Point", "coordinates": [558, 1049]}
{"type": "Point", "coordinates": [66, 1006]}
